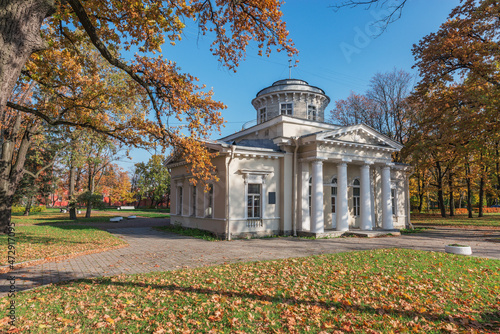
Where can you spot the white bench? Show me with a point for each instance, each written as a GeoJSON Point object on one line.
{"type": "Point", "coordinates": [131, 217]}
{"type": "Point", "coordinates": [126, 208]}
{"type": "Point", "coordinates": [116, 219]}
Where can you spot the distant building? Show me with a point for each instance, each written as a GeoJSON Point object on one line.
{"type": "Point", "coordinates": [293, 173]}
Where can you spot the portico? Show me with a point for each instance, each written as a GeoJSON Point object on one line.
{"type": "Point", "coordinates": [341, 202]}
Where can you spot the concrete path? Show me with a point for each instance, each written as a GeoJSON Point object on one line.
{"type": "Point", "coordinates": [150, 250]}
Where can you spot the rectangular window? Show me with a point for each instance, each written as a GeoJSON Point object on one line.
{"type": "Point", "coordinates": [356, 200]}
{"type": "Point", "coordinates": [210, 202]}
{"type": "Point", "coordinates": [179, 202]}
{"type": "Point", "coordinates": [334, 199]}
{"type": "Point", "coordinates": [286, 109]}
{"type": "Point", "coordinates": [311, 112]}
{"type": "Point", "coordinates": [253, 201]}
{"type": "Point", "coordinates": [393, 200]}
{"type": "Point", "coordinates": [193, 201]}
{"type": "Point", "coordinates": [262, 115]}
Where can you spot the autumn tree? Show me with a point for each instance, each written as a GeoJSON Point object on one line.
{"type": "Point", "coordinates": [58, 44]}
{"type": "Point", "coordinates": [116, 184]}
{"type": "Point", "coordinates": [152, 180]}
{"type": "Point", "coordinates": [460, 87]}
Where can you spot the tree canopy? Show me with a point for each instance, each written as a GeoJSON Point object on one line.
{"type": "Point", "coordinates": [74, 52]}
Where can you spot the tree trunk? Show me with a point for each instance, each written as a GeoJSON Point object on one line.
{"type": "Point", "coordinates": [20, 30]}
{"type": "Point", "coordinates": [469, 192]}
{"type": "Point", "coordinates": [481, 196]}
{"type": "Point", "coordinates": [440, 190]}
{"type": "Point", "coordinates": [452, 199]}
{"type": "Point", "coordinates": [72, 200]}
{"type": "Point", "coordinates": [91, 193]}
{"type": "Point", "coordinates": [11, 172]}
{"type": "Point", "coordinates": [27, 209]}
{"type": "Point", "coordinates": [421, 193]}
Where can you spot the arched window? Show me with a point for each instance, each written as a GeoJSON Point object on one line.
{"type": "Point", "coordinates": [356, 191]}
{"type": "Point", "coordinates": [333, 200]}
{"type": "Point", "coordinates": [310, 194]}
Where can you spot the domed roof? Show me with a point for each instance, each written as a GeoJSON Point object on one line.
{"type": "Point", "coordinates": [290, 85]}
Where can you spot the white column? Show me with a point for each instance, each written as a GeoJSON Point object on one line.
{"type": "Point", "coordinates": [317, 215]}
{"type": "Point", "coordinates": [387, 223]}
{"type": "Point", "coordinates": [304, 223]}
{"type": "Point", "coordinates": [263, 197]}
{"type": "Point", "coordinates": [342, 208]}
{"type": "Point", "coordinates": [365, 199]}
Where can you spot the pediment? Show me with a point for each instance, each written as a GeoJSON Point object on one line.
{"type": "Point", "coordinates": [359, 134]}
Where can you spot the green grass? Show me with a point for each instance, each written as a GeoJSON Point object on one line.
{"type": "Point", "coordinates": [418, 229]}
{"type": "Point", "coordinates": [51, 233]}
{"type": "Point", "coordinates": [34, 242]}
{"type": "Point", "coordinates": [489, 219]}
{"type": "Point", "coordinates": [190, 232]}
{"type": "Point", "coordinates": [392, 290]}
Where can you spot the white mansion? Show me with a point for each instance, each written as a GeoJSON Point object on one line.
{"type": "Point", "coordinates": [294, 174]}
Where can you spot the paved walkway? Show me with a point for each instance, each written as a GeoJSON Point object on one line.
{"type": "Point", "coordinates": [150, 250]}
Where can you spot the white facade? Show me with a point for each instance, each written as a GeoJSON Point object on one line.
{"type": "Point", "coordinates": [292, 173]}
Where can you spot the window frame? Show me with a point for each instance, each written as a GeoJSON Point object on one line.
{"type": "Point", "coordinates": [394, 203]}
{"type": "Point", "coordinates": [179, 200]}
{"type": "Point", "coordinates": [333, 195]}
{"type": "Point", "coordinates": [262, 115]}
{"type": "Point", "coordinates": [209, 202]}
{"type": "Point", "coordinates": [356, 198]}
{"type": "Point", "coordinates": [286, 113]}
{"type": "Point", "coordinates": [251, 200]}
{"type": "Point", "coordinates": [194, 198]}
{"type": "Point", "coordinates": [315, 112]}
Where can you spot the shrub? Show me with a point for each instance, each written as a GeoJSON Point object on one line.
{"type": "Point", "coordinates": [38, 208]}
{"type": "Point", "coordinates": [21, 209]}
{"type": "Point", "coordinates": [18, 209]}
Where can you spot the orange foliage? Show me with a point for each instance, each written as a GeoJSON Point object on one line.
{"type": "Point", "coordinates": [85, 83]}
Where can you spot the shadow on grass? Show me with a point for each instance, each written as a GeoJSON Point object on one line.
{"type": "Point", "coordinates": [489, 320]}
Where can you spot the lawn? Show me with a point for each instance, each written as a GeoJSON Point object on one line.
{"type": "Point", "coordinates": [50, 234]}
{"type": "Point", "coordinates": [489, 219]}
{"type": "Point", "coordinates": [393, 290]}
{"type": "Point", "coordinates": [41, 242]}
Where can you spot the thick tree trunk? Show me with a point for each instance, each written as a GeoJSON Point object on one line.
{"type": "Point", "coordinates": [20, 22]}
{"type": "Point", "coordinates": [11, 172]}
{"type": "Point", "coordinates": [481, 196]}
{"type": "Point", "coordinates": [452, 199]}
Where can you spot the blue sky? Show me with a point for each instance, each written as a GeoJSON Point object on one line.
{"type": "Point", "coordinates": [337, 52]}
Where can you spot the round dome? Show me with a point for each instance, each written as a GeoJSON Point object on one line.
{"type": "Point", "coordinates": [291, 97]}
{"type": "Point", "coordinates": [290, 85]}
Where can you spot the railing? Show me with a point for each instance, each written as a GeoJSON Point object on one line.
{"type": "Point", "coordinates": [249, 124]}
{"type": "Point", "coordinates": [255, 223]}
